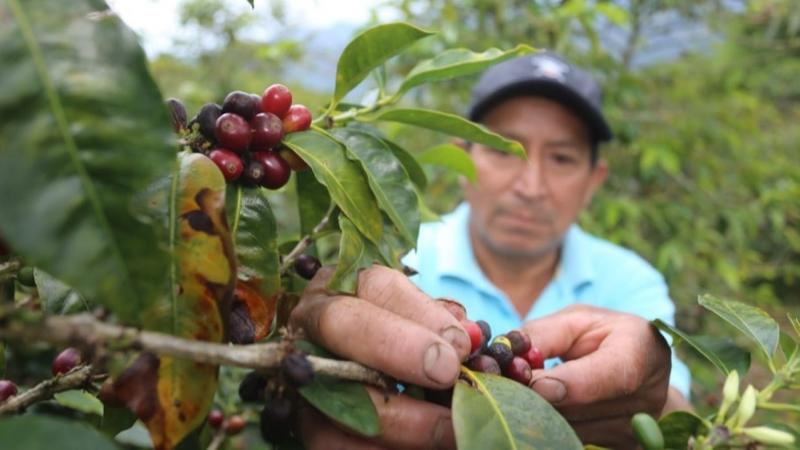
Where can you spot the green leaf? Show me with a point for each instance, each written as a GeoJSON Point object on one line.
{"type": "Point", "coordinates": [450, 124]}
{"type": "Point", "coordinates": [722, 352]}
{"type": "Point", "coordinates": [494, 412]}
{"type": "Point", "coordinates": [255, 237]}
{"type": "Point", "coordinates": [753, 322]}
{"type": "Point", "coordinates": [84, 129]}
{"type": "Point", "coordinates": [369, 50]}
{"type": "Point", "coordinates": [355, 253]}
{"type": "Point", "coordinates": [413, 169]}
{"type": "Point", "coordinates": [346, 402]}
{"type": "Point", "coordinates": [36, 432]}
{"type": "Point", "coordinates": [457, 62]}
{"type": "Point", "coordinates": [789, 346]}
{"type": "Point", "coordinates": [346, 183]}
{"type": "Point", "coordinates": [57, 297]}
{"type": "Point", "coordinates": [387, 179]}
{"type": "Point", "coordinates": [80, 400]}
{"type": "Point", "coordinates": [616, 14]}
{"type": "Point", "coordinates": [115, 419]}
{"type": "Point", "coordinates": [313, 201]}
{"type": "Point", "coordinates": [452, 157]}
{"type": "Point", "coordinates": [677, 427]}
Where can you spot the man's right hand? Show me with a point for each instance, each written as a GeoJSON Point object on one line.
{"type": "Point", "coordinates": [392, 326]}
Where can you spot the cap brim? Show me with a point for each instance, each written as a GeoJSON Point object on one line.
{"type": "Point", "coordinates": [554, 90]}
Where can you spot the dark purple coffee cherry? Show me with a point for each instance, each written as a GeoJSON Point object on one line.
{"type": "Point", "coordinates": [306, 266]}
{"type": "Point", "coordinates": [501, 353]}
{"type": "Point", "coordinates": [297, 370]}
{"type": "Point", "coordinates": [66, 361]}
{"type": "Point", "coordinates": [484, 363]}
{"type": "Point", "coordinates": [520, 342]}
{"type": "Point", "coordinates": [267, 131]}
{"type": "Point", "coordinates": [206, 120]}
{"type": "Point", "coordinates": [486, 330]}
{"type": "Point", "coordinates": [177, 114]}
{"type": "Point", "coordinates": [240, 103]}
{"type": "Point", "coordinates": [254, 173]}
{"type": "Point", "coordinates": [257, 99]}
{"type": "Point", "coordinates": [252, 387]}
{"type": "Point", "coordinates": [275, 419]}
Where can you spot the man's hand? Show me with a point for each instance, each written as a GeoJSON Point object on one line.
{"type": "Point", "coordinates": [615, 365]}
{"type": "Point", "coordinates": [395, 328]}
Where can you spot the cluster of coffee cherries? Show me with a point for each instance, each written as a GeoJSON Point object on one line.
{"type": "Point", "coordinates": [64, 362]}
{"type": "Point", "coordinates": [278, 394]}
{"type": "Point", "coordinates": [510, 355]}
{"type": "Point", "coordinates": [243, 136]}
{"type": "Point", "coordinates": [231, 426]}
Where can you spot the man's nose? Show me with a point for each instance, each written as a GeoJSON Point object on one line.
{"type": "Point", "coordinates": [531, 180]}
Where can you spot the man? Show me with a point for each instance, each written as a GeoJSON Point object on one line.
{"type": "Point", "coordinates": [513, 256]}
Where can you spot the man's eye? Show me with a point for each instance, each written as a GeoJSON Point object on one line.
{"type": "Point", "coordinates": [564, 159]}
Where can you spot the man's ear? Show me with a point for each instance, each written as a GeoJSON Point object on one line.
{"type": "Point", "coordinates": [598, 177]}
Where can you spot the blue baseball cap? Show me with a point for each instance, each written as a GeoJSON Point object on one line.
{"type": "Point", "coordinates": [543, 74]}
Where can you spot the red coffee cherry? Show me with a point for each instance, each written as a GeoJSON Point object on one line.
{"type": "Point", "coordinates": [233, 132]}
{"type": "Point", "coordinates": [475, 335]}
{"type": "Point", "coordinates": [535, 358]}
{"type": "Point", "coordinates": [276, 170]}
{"type": "Point", "coordinates": [66, 361]}
{"type": "Point", "coordinates": [520, 342]}
{"type": "Point", "coordinates": [298, 118]}
{"type": "Point", "coordinates": [7, 389]}
{"type": "Point", "coordinates": [277, 99]}
{"type": "Point", "coordinates": [215, 418]}
{"type": "Point", "coordinates": [235, 425]}
{"type": "Point", "coordinates": [518, 370]}
{"type": "Point", "coordinates": [228, 162]}
{"type": "Point", "coordinates": [267, 131]}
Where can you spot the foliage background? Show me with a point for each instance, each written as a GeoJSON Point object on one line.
{"type": "Point", "coordinates": [703, 96]}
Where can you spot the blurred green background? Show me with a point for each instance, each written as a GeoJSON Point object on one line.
{"type": "Point", "coordinates": [704, 97]}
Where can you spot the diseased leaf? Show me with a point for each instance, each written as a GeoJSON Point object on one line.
{"type": "Point", "coordinates": [722, 352]}
{"type": "Point", "coordinates": [57, 297]}
{"type": "Point", "coordinates": [355, 253]}
{"type": "Point", "coordinates": [387, 179]}
{"type": "Point", "coordinates": [369, 50]}
{"type": "Point", "coordinates": [80, 400]}
{"type": "Point", "coordinates": [450, 124]}
{"type": "Point", "coordinates": [457, 62]}
{"type": "Point", "coordinates": [37, 432]}
{"type": "Point", "coordinates": [346, 402]}
{"type": "Point", "coordinates": [494, 412]}
{"type": "Point", "coordinates": [344, 179]}
{"type": "Point", "coordinates": [252, 313]}
{"type": "Point", "coordinates": [77, 102]}
{"type": "Point", "coordinates": [753, 322]}
{"type": "Point", "coordinates": [452, 157]}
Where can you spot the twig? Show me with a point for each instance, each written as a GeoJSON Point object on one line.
{"type": "Point", "coordinates": [217, 440]}
{"type": "Point", "coordinates": [86, 329]}
{"type": "Point", "coordinates": [306, 240]}
{"type": "Point", "coordinates": [78, 377]}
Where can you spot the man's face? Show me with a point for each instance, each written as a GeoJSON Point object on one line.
{"type": "Point", "coordinates": [522, 209]}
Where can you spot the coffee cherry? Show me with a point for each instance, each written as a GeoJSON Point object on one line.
{"type": "Point", "coordinates": [241, 104]}
{"type": "Point", "coordinates": [252, 387]}
{"type": "Point", "coordinates": [306, 266]}
{"type": "Point", "coordinates": [206, 119]}
{"type": "Point", "coordinates": [4, 250]}
{"type": "Point", "coordinates": [502, 340]}
{"type": "Point", "coordinates": [535, 358]}
{"type": "Point", "coordinates": [234, 425]}
{"type": "Point", "coordinates": [295, 162]}
{"type": "Point", "coordinates": [297, 370]}
{"type": "Point", "coordinates": [277, 99]}
{"type": "Point", "coordinates": [276, 170]}
{"type": "Point", "coordinates": [298, 118]}
{"type": "Point", "coordinates": [177, 114]}
{"type": "Point", "coordinates": [254, 173]}
{"type": "Point", "coordinates": [520, 342]}
{"type": "Point", "coordinates": [257, 100]}
{"type": "Point", "coordinates": [485, 329]}
{"type": "Point", "coordinates": [518, 370]}
{"type": "Point", "coordinates": [475, 335]}
{"type": "Point", "coordinates": [228, 162]}
{"type": "Point", "coordinates": [501, 353]}
{"type": "Point", "coordinates": [267, 131]}
{"type": "Point", "coordinates": [7, 389]}
{"type": "Point", "coordinates": [275, 419]}
{"type": "Point", "coordinates": [233, 132]}
{"type": "Point", "coordinates": [66, 361]}
{"type": "Point", "coordinates": [215, 418]}
{"type": "Point", "coordinates": [25, 276]}
{"type": "Point", "coordinates": [484, 363]}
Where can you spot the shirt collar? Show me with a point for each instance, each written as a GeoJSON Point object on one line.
{"type": "Point", "coordinates": [456, 258]}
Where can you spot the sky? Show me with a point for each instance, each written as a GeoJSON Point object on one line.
{"type": "Point", "coordinates": [156, 21]}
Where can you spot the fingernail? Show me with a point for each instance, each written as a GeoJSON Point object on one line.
{"type": "Point", "coordinates": [443, 434]}
{"type": "Point", "coordinates": [551, 389]}
{"type": "Point", "coordinates": [457, 338]}
{"type": "Point", "coordinates": [440, 364]}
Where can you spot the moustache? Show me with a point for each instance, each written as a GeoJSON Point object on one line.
{"type": "Point", "coordinates": [532, 211]}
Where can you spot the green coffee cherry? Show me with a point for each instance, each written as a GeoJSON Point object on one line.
{"type": "Point", "coordinates": [502, 340]}
{"type": "Point", "coordinates": [25, 276]}
{"type": "Point", "coordinates": [647, 432]}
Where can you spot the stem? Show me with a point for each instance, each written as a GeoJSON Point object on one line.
{"type": "Point", "coordinates": [219, 438]}
{"type": "Point", "coordinates": [86, 329]}
{"type": "Point", "coordinates": [306, 241]}
{"type": "Point", "coordinates": [323, 121]}
{"type": "Point", "coordinates": [78, 377]}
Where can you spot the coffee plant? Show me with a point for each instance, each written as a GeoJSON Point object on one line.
{"type": "Point", "coordinates": [143, 246]}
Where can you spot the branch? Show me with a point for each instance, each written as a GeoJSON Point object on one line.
{"type": "Point", "coordinates": [9, 268]}
{"type": "Point", "coordinates": [78, 377]}
{"type": "Point", "coordinates": [84, 328]}
{"type": "Point", "coordinates": [306, 241]}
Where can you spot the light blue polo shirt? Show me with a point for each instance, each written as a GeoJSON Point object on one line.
{"type": "Point", "coordinates": [591, 271]}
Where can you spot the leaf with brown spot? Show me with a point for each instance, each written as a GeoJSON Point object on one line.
{"type": "Point", "coordinates": [251, 313]}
